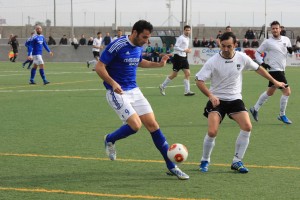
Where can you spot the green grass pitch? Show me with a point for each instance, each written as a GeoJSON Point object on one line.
{"type": "Point", "coordinates": [51, 140]}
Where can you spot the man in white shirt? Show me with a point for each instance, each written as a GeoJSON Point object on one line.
{"type": "Point", "coordinates": [180, 62]}
{"type": "Point", "coordinates": [224, 70]}
{"type": "Point", "coordinates": [276, 48]}
{"type": "Point", "coordinates": [96, 50]}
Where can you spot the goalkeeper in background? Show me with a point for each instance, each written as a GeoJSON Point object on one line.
{"type": "Point", "coordinates": [276, 48]}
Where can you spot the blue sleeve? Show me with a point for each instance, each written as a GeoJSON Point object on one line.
{"type": "Point", "coordinates": [106, 56]}
{"type": "Point", "coordinates": [45, 45]}
{"type": "Point", "coordinates": [29, 48]}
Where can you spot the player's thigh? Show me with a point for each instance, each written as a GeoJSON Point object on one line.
{"type": "Point", "coordinates": [38, 60]}
{"type": "Point", "coordinates": [140, 104]}
{"type": "Point", "coordinates": [120, 104]}
{"type": "Point", "coordinates": [243, 120]}
{"type": "Point", "coordinates": [214, 120]}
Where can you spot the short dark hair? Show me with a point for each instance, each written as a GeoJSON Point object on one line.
{"type": "Point", "coordinates": [99, 33]}
{"type": "Point", "coordinates": [274, 23]}
{"type": "Point", "coordinates": [186, 26]}
{"type": "Point", "coordinates": [228, 35]}
{"type": "Point", "coordinates": [142, 25]}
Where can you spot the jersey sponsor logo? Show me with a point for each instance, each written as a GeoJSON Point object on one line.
{"type": "Point", "coordinates": [228, 61]}
{"type": "Point", "coordinates": [132, 61]}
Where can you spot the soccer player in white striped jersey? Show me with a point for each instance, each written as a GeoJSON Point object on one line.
{"type": "Point", "coordinates": [96, 50]}
{"type": "Point", "coordinates": [224, 70]}
{"type": "Point", "coordinates": [117, 68]}
{"type": "Point", "coordinates": [277, 49]}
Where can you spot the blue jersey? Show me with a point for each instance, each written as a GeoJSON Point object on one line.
{"type": "Point", "coordinates": [36, 45]}
{"type": "Point", "coordinates": [122, 58]}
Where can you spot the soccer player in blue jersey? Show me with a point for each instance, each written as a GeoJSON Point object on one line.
{"type": "Point", "coordinates": [35, 51]}
{"type": "Point", "coordinates": [27, 44]}
{"type": "Point", "coordinates": [117, 68]}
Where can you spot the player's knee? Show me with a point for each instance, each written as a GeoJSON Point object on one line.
{"type": "Point", "coordinates": [135, 126]}
{"type": "Point", "coordinates": [212, 133]}
{"type": "Point", "coordinates": [247, 127]}
{"type": "Point", "coordinates": [152, 126]}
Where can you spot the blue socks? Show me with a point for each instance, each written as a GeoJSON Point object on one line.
{"type": "Point", "coordinates": [32, 74]}
{"type": "Point", "coordinates": [42, 73]}
{"type": "Point", "coordinates": [163, 146]}
{"type": "Point", "coordinates": [123, 132]}
{"type": "Point", "coordinates": [157, 137]}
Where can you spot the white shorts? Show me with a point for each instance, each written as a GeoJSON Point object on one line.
{"type": "Point", "coordinates": [38, 60]}
{"type": "Point", "coordinates": [130, 102]}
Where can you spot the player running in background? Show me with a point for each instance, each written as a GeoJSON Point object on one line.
{"type": "Point", "coordinates": [180, 62]}
{"type": "Point", "coordinates": [35, 52]}
{"type": "Point", "coordinates": [27, 43]}
{"type": "Point", "coordinates": [276, 48]}
{"type": "Point", "coordinates": [117, 67]}
{"type": "Point", "coordinates": [224, 70]}
{"type": "Point", "coordinates": [96, 50]}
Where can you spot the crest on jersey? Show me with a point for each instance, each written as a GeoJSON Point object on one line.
{"type": "Point", "coordinates": [238, 66]}
{"type": "Point", "coordinates": [127, 53]}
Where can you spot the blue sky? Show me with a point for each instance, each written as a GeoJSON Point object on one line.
{"type": "Point", "coordinates": [102, 12]}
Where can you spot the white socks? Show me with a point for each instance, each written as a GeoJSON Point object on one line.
{"type": "Point", "coordinates": [166, 82]}
{"type": "Point", "coordinates": [241, 145]}
{"type": "Point", "coordinates": [208, 145]}
{"type": "Point", "coordinates": [261, 100]}
{"type": "Point", "coordinates": [283, 103]}
{"type": "Point", "coordinates": [186, 83]}
{"type": "Point", "coordinates": [264, 97]}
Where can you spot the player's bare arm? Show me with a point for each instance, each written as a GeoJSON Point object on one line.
{"type": "Point", "coordinates": [103, 74]}
{"type": "Point", "coordinates": [203, 88]}
{"type": "Point", "coordinates": [150, 64]}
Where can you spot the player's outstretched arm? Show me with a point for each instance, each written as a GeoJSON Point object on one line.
{"type": "Point", "coordinates": [149, 64]}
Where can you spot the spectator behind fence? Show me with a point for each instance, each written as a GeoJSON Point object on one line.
{"type": "Point", "coordinates": [74, 42]}
{"type": "Point", "coordinates": [196, 42]}
{"type": "Point", "coordinates": [148, 52]}
{"type": "Point", "coordinates": [219, 34]}
{"type": "Point", "coordinates": [171, 51]}
{"type": "Point", "coordinates": [63, 40]}
{"type": "Point", "coordinates": [228, 29]}
{"type": "Point", "coordinates": [107, 39]}
{"type": "Point", "coordinates": [297, 44]}
{"type": "Point", "coordinates": [156, 52]}
{"type": "Point", "coordinates": [51, 41]}
{"type": "Point", "coordinates": [90, 41]}
{"type": "Point", "coordinates": [212, 43]}
{"type": "Point", "coordinates": [250, 34]}
{"type": "Point", "coordinates": [254, 43]}
{"type": "Point", "coordinates": [82, 40]}
{"type": "Point", "coordinates": [204, 42]}
{"type": "Point", "coordinates": [246, 43]}
{"type": "Point", "coordinates": [283, 31]}
{"type": "Point", "coordinates": [119, 34]}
